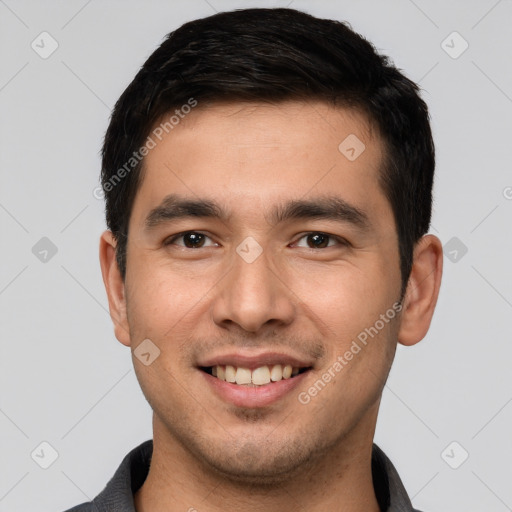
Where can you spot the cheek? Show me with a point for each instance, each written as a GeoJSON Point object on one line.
{"type": "Point", "coordinates": [157, 302]}
{"type": "Point", "coordinates": [340, 296]}
{"type": "Point", "coordinates": [348, 302]}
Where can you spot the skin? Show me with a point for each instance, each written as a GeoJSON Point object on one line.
{"type": "Point", "coordinates": [313, 302]}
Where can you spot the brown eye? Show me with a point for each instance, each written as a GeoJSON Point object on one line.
{"type": "Point", "coordinates": [191, 240]}
{"type": "Point", "coordinates": [318, 240]}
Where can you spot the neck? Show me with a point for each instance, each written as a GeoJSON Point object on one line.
{"type": "Point", "coordinates": [338, 480]}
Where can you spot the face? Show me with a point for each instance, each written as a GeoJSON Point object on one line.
{"type": "Point", "coordinates": [257, 248]}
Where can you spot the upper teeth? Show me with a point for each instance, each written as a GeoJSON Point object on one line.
{"type": "Point", "coordinates": [258, 377]}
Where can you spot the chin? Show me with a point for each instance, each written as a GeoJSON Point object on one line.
{"type": "Point", "coordinates": [258, 464]}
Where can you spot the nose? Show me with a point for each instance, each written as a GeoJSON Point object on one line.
{"type": "Point", "coordinates": [254, 296]}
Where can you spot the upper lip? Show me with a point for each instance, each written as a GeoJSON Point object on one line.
{"type": "Point", "coordinates": [252, 361]}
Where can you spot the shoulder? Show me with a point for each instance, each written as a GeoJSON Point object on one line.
{"type": "Point", "coordinates": [129, 476]}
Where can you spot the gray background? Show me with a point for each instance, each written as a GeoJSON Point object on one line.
{"type": "Point", "coordinates": [66, 380]}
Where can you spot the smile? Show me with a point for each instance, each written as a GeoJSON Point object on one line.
{"type": "Point", "coordinates": [260, 376]}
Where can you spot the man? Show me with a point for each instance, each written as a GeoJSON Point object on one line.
{"type": "Point", "coordinates": [268, 180]}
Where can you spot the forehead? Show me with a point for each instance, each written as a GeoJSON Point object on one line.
{"type": "Point", "coordinates": [286, 123]}
{"type": "Point", "coordinates": [245, 154]}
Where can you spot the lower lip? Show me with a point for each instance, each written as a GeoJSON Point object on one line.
{"type": "Point", "coordinates": [257, 396]}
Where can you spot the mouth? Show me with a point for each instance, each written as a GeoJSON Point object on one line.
{"type": "Point", "coordinates": [254, 379]}
{"type": "Point", "coordinates": [261, 376]}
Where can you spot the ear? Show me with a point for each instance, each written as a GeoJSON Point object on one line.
{"type": "Point", "coordinates": [114, 286]}
{"type": "Point", "coordinates": [422, 290]}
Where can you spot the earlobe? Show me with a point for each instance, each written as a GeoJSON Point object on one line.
{"type": "Point", "coordinates": [114, 286]}
{"type": "Point", "coordinates": [422, 290]}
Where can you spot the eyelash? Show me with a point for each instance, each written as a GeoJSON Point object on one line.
{"type": "Point", "coordinates": [341, 241]}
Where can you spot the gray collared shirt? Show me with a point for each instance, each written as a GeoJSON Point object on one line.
{"type": "Point", "coordinates": [117, 496]}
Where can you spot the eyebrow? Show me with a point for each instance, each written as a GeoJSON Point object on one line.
{"type": "Point", "coordinates": [332, 208]}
